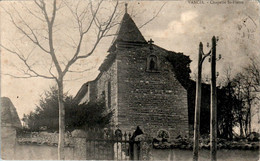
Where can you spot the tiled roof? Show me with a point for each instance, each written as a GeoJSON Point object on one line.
{"type": "Point", "coordinates": [81, 93]}
{"type": "Point", "coordinates": [127, 32]}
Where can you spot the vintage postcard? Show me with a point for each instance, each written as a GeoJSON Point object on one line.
{"type": "Point", "coordinates": [130, 80]}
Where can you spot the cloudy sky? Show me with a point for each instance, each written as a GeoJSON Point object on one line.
{"type": "Point", "coordinates": [179, 26]}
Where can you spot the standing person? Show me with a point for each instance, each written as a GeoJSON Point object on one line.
{"type": "Point", "coordinates": [137, 132]}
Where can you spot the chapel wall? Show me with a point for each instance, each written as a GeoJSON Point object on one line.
{"type": "Point", "coordinates": [102, 90]}
{"type": "Point", "coordinates": [152, 100]}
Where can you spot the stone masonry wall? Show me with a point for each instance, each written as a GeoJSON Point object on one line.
{"type": "Point", "coordinates": [152, 100]}
{"type": "Point", "coordinates": [92, 90]}
{"type": "Point", "coordinates": [102, 89]}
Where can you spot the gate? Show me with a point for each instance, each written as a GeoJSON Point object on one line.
{"type": "Point", "coordinates": [112, 145]}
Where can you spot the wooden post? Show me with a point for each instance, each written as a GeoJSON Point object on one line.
{"type": "Point", "coordinates": [197, 107]}
{"type": "Point", "coordinates": [213, 105]}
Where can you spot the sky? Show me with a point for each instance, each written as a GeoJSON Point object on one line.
{"type": "Point", "coordinates": [180, 26]}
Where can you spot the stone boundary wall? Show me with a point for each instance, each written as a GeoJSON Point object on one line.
{"type": "Point", "coordinates": [26, 149]}
{"type": "Point", "coordinates": [40, 152]}
{"type": "Point", "coordinates": [44, 146]}
{"type": "Point", "coordinates": [43, 138]}
{"type": "Point", "coordinates": [80, 145]}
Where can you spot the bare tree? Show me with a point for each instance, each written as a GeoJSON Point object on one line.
{"type": "Point", "coordinates": [60, 45]}
{"type": "Point", "coordinates": [247, 87]}
{"type": "Point", "coordinates": [252, 72]}
{"type": "Point", "coordinates": [251, 87]}
{"type": "Point", "coordinates": [239, 112]}
{"type": "Point", "coordinates": [87, 19]}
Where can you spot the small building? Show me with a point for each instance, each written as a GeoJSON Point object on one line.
{"type": "Point", "coordinates": [137, 82]}
{"type": "Point", "coordinates": [10, 123]}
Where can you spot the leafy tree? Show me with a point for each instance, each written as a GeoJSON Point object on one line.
{"type": "Point", "coordinates": [90, 115]}
{"type": "Point", "coordinates": [93, 114]}
{"type": "Point", "coordinates": [181, 67]}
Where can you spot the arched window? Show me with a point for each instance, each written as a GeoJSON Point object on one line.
{"type": "Point", "coordinates": [152, 63]}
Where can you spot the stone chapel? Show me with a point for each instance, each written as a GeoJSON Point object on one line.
{"type": "Point", "coordinates": [138, 84]}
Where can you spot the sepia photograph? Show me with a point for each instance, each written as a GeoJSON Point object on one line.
{"type": "Point", "coordinates": [173, 80]}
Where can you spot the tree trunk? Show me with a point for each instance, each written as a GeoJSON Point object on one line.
{"type": "Point", "coordinates": [240, 117]}
{"type": "Point", "coordinates": [246, 124]}
{"type": "Point", "coordinates": [61, 154]}
{"type": "Point", "coordinates": [249, 118]}
{"type": "Point", "coordinates": [230, 131]}
{"type": "Point", "coordinates": [248, 115]}
{"type": "Point", "coordinates": [230, 116]}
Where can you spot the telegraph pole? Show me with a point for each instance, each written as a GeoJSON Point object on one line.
{"type": "Point", "coordinates": [198, 104]}
{"type": "Point", "coordinates": [213, 105]}
{"type": "Point", "coordinates": [197, 107]}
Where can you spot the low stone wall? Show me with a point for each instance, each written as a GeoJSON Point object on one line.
{"type": "Point", "coordinates": [44, 146]}
{"type": "Point", "coordinates": [205, 144]}
{"type": "Point", "coordinates": [43, 138]}
{"type": "Point", "coordinates": [40, 152]}
{"type": "Point", "coordinates": [37, 146]}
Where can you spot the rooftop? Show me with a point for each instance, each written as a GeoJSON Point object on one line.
{"type": "Point", "coordinates": [127, 32]}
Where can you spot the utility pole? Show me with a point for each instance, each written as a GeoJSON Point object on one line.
{"type": "Point", "coordinates": [197, 107]}
{"type": "Point", "coordinates": [198, 103]}
{"type": "Point", "coordinates": [213, 101]}
{"type": "Point", "coordinates": [213, 105]}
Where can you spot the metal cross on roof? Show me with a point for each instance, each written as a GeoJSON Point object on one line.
{"type": "Point", "coordinates": [151, 43]}
{"type": "Point", "coordinates": [126, 7]}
